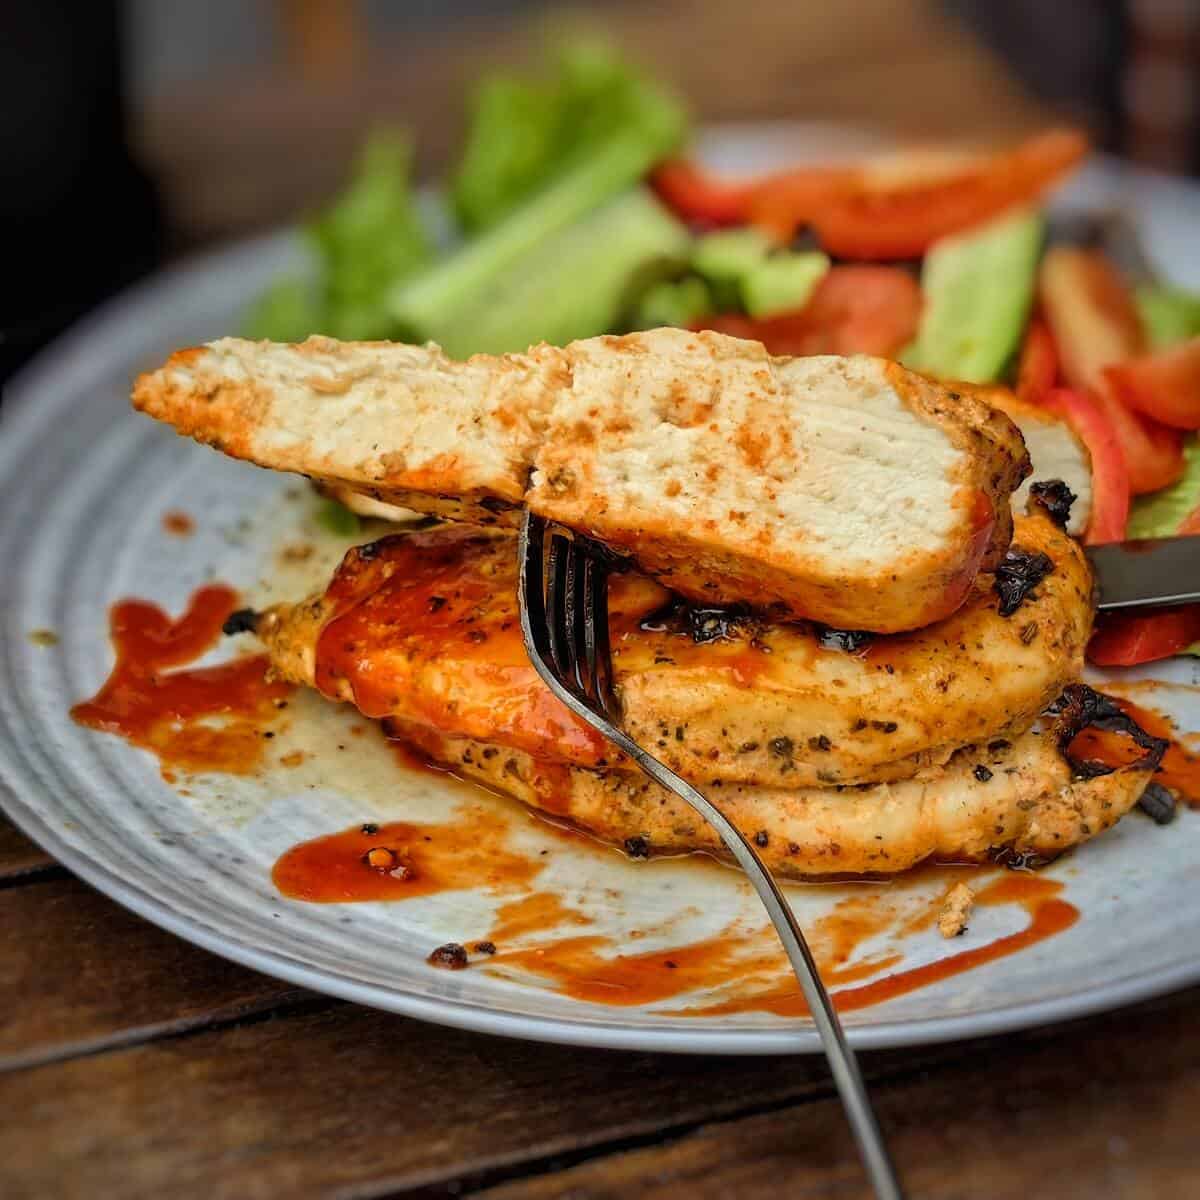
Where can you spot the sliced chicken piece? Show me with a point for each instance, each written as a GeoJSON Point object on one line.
{"type": "Point", "coordinates": [423, 627]}
{"type": "Point", "coordinates": [1055, 452]}
{"type": "Point", "coordinates": [1009, 801]}
{"type": "Point", "coordinates": [846, 490]}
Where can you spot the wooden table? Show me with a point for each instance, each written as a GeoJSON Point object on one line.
{"type": "Point", "coordinates": [134, 1065]}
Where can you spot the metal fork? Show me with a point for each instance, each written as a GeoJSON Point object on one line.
{"type": "Point", "coordinates": [563, 592]}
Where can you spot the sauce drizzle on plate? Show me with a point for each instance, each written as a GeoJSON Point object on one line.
{"type": "Point", "coordinates": [203, 719]}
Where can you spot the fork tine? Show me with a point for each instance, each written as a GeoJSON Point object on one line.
{"type": "Point", "coordinates": [587, 610]}
{"type": "Point", "coordinates": [531, 584]}
{"type": "Point", "coordinates": [595, 632]}
{"type": "Point", "coordinates": [578, 569]}
{"type": "Point", "coordinates": [557, 598]}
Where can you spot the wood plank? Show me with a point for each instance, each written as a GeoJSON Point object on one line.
{"type": "Point", "coordinates": [356, 1103]}
{"type": "Point", "coordinates": [80, 973]}
{"type": "Point", "coordinates": [353, 1103]}
{"type": "Point", "coordinates": [1106, 1109]}
{"type": "Point", "coordinates": [18, 855]}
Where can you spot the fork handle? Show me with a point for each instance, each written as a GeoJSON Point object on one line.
{"type": "Point", "coordinates": [842, 1061]}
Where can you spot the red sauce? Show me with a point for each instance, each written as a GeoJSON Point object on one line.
{"type": "Point", "coordinates": [534, 913]}
{"type": "Point", "coordinates": [465, 853]}
{"type": "Point", "coordinates": [1049, 915]}
{"type": "Point", "coordinates": [426, 628]}
{"type": "Point", "coordinates": [205, 719]}
{"type": "Point", "coordinates": [585, 968]}
{"type": "Point", "coordinates": [581, 970]}
{"type": "Point", "coordinates": [178, 524]}
{"type": "Point", "coordinates": [1180, 766]}
{"type": "Point", "coordinates": [401, 860]}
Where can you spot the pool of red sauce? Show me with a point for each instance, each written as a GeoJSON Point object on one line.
{"type": "Point", "coordinates": [1048, 915]}
{"type": "Point", "coordinates": [202, 719]}
{"type": "Point", "coordinates": [425, 859]}
{"type": "Point", "coordinates": [471, 851]}
{"type": "Point", "coordinates": [1180, 767]}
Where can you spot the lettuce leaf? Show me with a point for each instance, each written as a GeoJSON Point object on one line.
{"type": "Point", "coordinates": [524, 132]}
{"type": "Point", "coordinates": [288, 311]}
{"type": "Point", "coordinates": [369, 238]}
{"type": "Point", "coordinates": [1160, 514]}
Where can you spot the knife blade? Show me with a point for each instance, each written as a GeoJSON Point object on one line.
{"type": "Point", "coordinates": [1148, 574]}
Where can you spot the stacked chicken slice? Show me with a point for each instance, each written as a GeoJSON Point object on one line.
{"type": "Point", "coordinates": [824, 624]}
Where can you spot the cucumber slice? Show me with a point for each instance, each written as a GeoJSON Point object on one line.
{"type": "Point", "coordinates": [575, 284]}
{"type": "Point", "coordinates": [726, 258]}
{"type": "Point", "coordinates": [782, 283]}
{"type": "Point", "coordinates": [978, 289]}
{"type": "Point", "coordinates": [674, 302]}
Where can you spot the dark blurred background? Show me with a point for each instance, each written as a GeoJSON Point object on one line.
{"type": "Point", "coordinates": [135, 132]}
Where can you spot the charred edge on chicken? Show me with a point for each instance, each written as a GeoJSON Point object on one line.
{"type": "Point", "coordinates": [1081, 707]}
{"type": "Point", "coordinates": [1054, 498]}
{"type": "Point", "coordinates": [1018, 575]}
{"type": "Point", "coordinates": [244, 620]}
{"type": "Point", "coordinates": [702, 624]}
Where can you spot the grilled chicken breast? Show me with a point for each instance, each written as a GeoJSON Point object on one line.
{"type": "Point", "coordinates": [1014, 799]}
{"type": "Point", "coordinates": [845, 490]}
{"type": "Point", "coordinates": [423, 628]}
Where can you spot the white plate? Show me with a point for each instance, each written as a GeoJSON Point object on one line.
{"type": "Point", "coordinates": [84, 484]}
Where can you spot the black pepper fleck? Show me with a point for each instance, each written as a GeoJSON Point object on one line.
{"type": "Point", "coordinates": [451, 957]}
{"type": "Point", "coordinates": [244, 620]}
{"type": "Point", "coordinates": [1017, 577]}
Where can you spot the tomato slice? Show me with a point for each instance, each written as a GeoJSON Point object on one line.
{"type": "Point", "coordinates": [853, 310]}
{"type": "Point", "coordinates": [1153, 452]}
{"type": "Point", "coordinates": [1126, 639]}
{"type": "Point", "coordinates": [1110, 472]}
{"type": "Point", "coordinates": [700, 197]}
{"type": "Point", "coordinates": [903, 222]}
{"type": "Point", "coordinates": [1037, 370]}
{"type": "Point", "coordinates": [1091, 314]}
{"type": "Point", "coordinates": [784, 203]}
{"type": "Point", "coordinates": [1164, 386]}
{"type": "Point", "coordinates": [1095, 325]}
